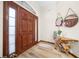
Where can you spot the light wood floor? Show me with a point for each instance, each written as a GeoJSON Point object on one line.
{"type": "Point", "coordinates": [43, 50]}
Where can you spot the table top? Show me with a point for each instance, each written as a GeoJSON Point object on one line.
{"type": "Point", "coordinates": [68, 39]}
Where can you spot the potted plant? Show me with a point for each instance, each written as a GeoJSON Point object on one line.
{"type": "Point", "coordinates": [59, 32]}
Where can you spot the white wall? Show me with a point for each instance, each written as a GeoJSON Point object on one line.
{"type": "Point", "coordinates": [1, 29]}
{"type": "Point", "coordinates": [62, 7]}
{"type": "Point", "coordinates": [48, 14]}
{"type": "Point", "coordinates": [49, 17]}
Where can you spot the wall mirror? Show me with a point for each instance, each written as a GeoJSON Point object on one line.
{"type": "Point", "coordinates": [59, 21]}
{"type": "Point", "coordinates": [70, 20]}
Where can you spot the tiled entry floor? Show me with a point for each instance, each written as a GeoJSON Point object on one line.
{"type": "Point", "coordinates": [43, 50]}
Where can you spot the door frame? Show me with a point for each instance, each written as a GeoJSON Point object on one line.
{"type": "Point", "coordinates": [5, 25]}
{"type": "Point", "coordinates": [6, 5]}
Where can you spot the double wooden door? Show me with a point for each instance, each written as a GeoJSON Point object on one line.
{"type": "Point", "coordinates": [25, 29]}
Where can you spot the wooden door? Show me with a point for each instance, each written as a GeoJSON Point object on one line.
{"type": "Point", "coordinates": [26, 25]}
{"type": "Point", "coordinates": [30, 30]}
{"type": "Point", "coordinates": [24, 29]}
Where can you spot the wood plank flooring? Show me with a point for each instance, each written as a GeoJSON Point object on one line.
{"type": "Point", "coordinates": [43, 50]}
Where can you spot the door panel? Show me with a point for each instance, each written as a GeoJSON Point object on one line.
{"type": "Point", "coordinates": [23, 29]}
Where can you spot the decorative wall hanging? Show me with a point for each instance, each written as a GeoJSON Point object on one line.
{"type": "Point", "coordinates": [59, 21]}
{"type": "Point", "coordinates": [70, 20]}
